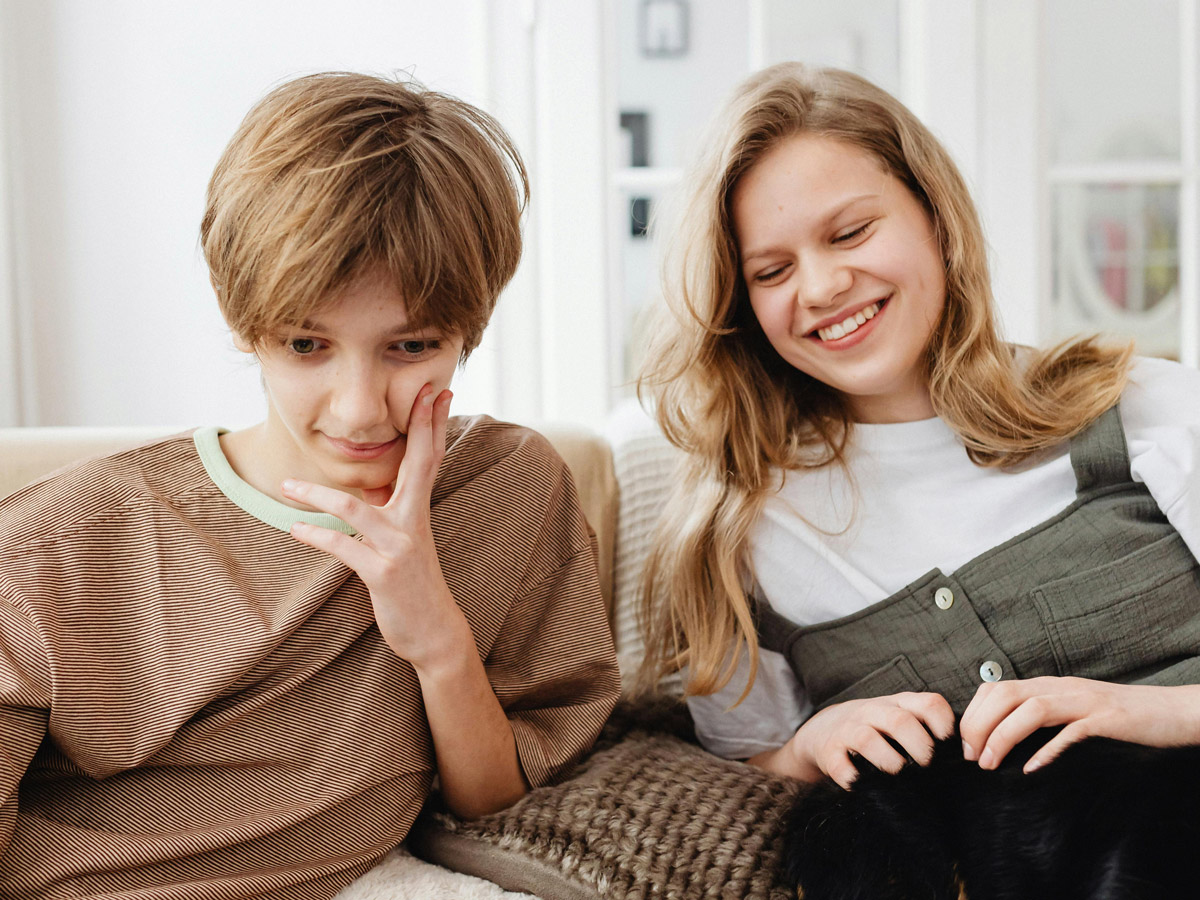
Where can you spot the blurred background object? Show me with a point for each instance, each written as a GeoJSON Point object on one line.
{"type": "Point", "coordinates": [1076, 123]}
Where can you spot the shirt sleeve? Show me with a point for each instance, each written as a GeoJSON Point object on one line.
{"type": "Point", "coordinates": [553, 668]}
{"type": "Point", "coordinates": [24, 707]}
{"type": "Point", "coordinates": [772, 711]}
{"type": "Point", "coordinates": [1160, 410]}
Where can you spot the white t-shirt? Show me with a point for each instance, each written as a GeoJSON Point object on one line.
{"type": "Point", "coordinates": [829, 544]}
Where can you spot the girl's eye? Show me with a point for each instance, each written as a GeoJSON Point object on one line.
{"type": "Point", "coordinates": [851, 235]}
{"type": "Point", "coordinates": [770, 275]}
{"type": "Point", "coordinates": [302, 346]}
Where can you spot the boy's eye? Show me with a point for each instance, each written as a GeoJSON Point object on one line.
{"type": "Point", "coordinates": [416, 348]}
{"type": "Point", "coordinates": [302, 346]}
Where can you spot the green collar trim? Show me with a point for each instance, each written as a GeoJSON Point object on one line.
{"type": "Point", "coordinates": [255, 502]}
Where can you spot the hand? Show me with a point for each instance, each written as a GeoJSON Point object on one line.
{"type": "Point", "coordinates": [1004, 713]}
{"type": "Point", "coordinates": [396, 556]}
{"type": "Point", "coordinates": [824, 743]}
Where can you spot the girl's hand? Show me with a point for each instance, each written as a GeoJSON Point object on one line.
{"type": "Point", "coordinates": [1004, 713]}
{"type": "Point", "coordinates": [396, 557]}
{"type": "Point", "coordinates": [823, 744]}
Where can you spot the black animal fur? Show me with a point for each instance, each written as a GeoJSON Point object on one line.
{"type": "Point", "coordinates": [1107, 820]}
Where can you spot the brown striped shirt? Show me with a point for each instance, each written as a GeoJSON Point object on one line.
{"type": "Point", "coordinates": [195, 705]}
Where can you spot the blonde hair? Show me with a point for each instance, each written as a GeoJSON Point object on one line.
{"type": "Point", "coordinates": [722, 394]}
{"type": "Point", "coordinates": [333, 175]}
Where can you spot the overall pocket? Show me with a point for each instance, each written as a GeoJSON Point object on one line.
{"type": "Point", "coordinates": [894, 677]}
{"type": "Point", "coordinates": [1128, 614]}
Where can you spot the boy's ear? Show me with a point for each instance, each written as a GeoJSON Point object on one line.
{"type": "Point", "coordinates": [242, 344]}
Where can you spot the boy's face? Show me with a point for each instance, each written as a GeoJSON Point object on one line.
{"type": "Point", "coordinates": [340, 388]}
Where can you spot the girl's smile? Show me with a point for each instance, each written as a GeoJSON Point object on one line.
{"type": "Point", "coordinates": [848, 330]}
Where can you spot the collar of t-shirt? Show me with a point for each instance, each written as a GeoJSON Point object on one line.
{"type": "Point", "coordinates": [250, 499]}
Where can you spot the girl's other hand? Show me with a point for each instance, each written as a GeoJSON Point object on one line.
{"type": "Point", "coordinates": [1004, 713]}
{"type": "Point", "coordinates": [823, 745]}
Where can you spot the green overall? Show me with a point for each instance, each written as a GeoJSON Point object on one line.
{"type": "Point", "coordinates": [1106, 589]}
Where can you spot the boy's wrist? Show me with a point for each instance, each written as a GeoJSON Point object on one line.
{"type": "Point", "coordinates": [449, 654]}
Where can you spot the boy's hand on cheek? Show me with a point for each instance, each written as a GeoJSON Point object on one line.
{"type": "Point", "coordinates": [396, 556]}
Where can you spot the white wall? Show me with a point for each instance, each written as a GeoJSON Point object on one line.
{"type": "Point", "coordinates": [682, 93]}
{"type": "Point", "coordinates": [119, 112]}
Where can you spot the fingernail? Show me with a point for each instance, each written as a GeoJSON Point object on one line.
{"type": "Point", "coordinates": [1032, 766]}
{"type": "Point", "coordinates": [290, 486]}
{"type": "Point", "coordinates": [968, 751]}
{"type": "Point", "coordinates": [985, 761]}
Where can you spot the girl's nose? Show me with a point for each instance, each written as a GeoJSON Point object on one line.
{"type": "Point", "coordinates": [821, 279]}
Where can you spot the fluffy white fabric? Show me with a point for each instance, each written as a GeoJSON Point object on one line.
{"type": "Point", "coordinates": [401, 876]}
{"type": "Point", "coordinates": [645, 466]}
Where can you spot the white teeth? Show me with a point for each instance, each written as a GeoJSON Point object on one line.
{"type": "Point", "coordinates": [848, 324]}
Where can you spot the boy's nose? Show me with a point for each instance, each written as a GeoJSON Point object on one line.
{"type": "Point", "coordinates": [359, 402]}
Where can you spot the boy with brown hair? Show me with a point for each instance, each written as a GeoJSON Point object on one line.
{"type": "Point", "coordinates": [232, 663]}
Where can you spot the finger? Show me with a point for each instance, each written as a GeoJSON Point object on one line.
{"type": "Point", "coordinates": [912, 735]}
{"type": "Point", "coordinates": [1036, 712]}
{"type": "Point", "coordinates": [992, 703]}
{"type": "Point", "coordinates": [441, 418]}
{"type": "Point", "coordinates": [843, 771]}
{"type": "Point", "coordinates": [933, 710]}
{"type": "Point", "coordinates": [1072, 734]}
{"type": "Point", "coordinates": [359, 515]}
{"type": "Point", "coordinates": [413, 498]}
{"type": "Point", "coordinates": [875, 749]}
{"type": "Point", "coordinates": [418, 465]}
{"type": "Point", "coordinates": [341, 546]}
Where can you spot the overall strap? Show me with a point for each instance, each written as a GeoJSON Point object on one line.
{"type": "Point", "coordinates": [773, 629]}
{"type": "Point", "coordinates": [1099, 454]}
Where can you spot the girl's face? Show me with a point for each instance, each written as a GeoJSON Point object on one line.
{"type": "Point", "coordinates": [843, 271]}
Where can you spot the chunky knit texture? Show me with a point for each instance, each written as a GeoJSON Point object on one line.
{"type": "Point", "coordinates": [649, 814]}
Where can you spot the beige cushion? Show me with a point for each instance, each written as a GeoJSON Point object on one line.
{"type": "Point", "coordinates": [30, 453]}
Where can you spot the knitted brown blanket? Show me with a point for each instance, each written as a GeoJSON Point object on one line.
{"type": "Point", "coordinates": [649, 814]}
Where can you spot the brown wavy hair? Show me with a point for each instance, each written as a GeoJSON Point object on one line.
{"type": "Point", "coordinates": [721, 393]}
{"type": "Point", "coordinates": [335, 174]}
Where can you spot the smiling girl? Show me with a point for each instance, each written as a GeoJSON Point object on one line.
{"type": "Point", "coordinates": [890, 521]}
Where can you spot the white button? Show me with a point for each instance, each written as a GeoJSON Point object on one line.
{"type": "Point", "coordinates": [991, 671]}
{"type": "Point", "coordinates": [943, 597]}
